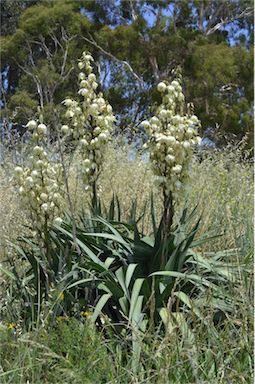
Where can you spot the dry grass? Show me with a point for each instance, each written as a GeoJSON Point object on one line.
{"type": "Point", "coordinates": [221, 185]}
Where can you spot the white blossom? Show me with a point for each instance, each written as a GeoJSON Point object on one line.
{"type": "Point", "coordinates": [39, 179]}
{"type": "Point", "coordinates": [171, 136]}
{"type": "Point", "coordinates": [90, 121]}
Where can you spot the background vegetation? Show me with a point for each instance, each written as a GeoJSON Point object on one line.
{"type": "Point", "coordinates": [136, 45]}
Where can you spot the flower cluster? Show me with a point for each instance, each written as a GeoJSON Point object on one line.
{"type": "Point", "coordinates": [40, 182]}
{"type": "Point", "coordinates": [89, 122]}
{"type": "Point", "coordinates": [171, 136]}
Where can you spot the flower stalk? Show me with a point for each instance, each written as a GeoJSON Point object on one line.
{"type": "Point", "coordinates": [172, 134]}
{"type": "Point", "coordinates": [89, 122]}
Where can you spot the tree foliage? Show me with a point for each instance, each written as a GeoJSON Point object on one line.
{"type": "Point", "coordinates": [136, 45]}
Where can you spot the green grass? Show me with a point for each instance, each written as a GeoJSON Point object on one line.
{"type": "Point", "coordinates": [74, 352]}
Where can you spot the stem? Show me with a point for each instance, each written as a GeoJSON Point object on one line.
{"type": "Point", "coordinates": [168, 215]}
{"type": "Point", "coordinates": [94, 197]}
{"type": "Point", "coordinates": [70, 203]}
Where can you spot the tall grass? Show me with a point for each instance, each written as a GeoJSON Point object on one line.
{"type": "Point", "coordinates": [221, 185]}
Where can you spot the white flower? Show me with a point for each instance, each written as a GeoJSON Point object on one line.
{"type": "Point", "coordinates": [97, 130]}
{"type": "Point", "coordinates": [39, 164]}
{"type": "Point", "coordinates": [194, 119]}
{"type": "Point", "coordinates": [44, 207]}
{"type": "Point", "coordinates": [81, 76]}
{"type": "Point", "coordinates": [161, 87]}
{"type": "Point", "coordinates": [34, 174]}
{"type": "Point", "coordinates": [81, 65]}
{"type": "Point", "coordinates": [83, 142]}
{"type": "Point", "coordinates": [109, 108]}
{"type": "Point", "coordinates": [186, 144]}
{"type": "Point", "coordinates": [29, 181]}
{"type": "Point", "coordinates": [32, 124]}
{"type": "Point", "coordinates": [18, 171]}
{"type": "Point", "coordinates": [37, 150]}
{"type": "Point", "coordinates": [91, 77]}
{"type": "Point", "coordinates": [69, 114]}
{"type": "Point", "coordinates": [21, 190]}
{"type": "Point", "coordinates": [170, 89]}
{"type": "Point", "coordinates": [58, 221]}
{"type": "Point", "coordinates": [68, 103]}
{"type": "Point", "coordinates": [177, 168]}
{"type": "Point", "coordinates": [87, 57]}
{"type": "Point", "coordinates": [83, 91]}
{"type": "Point", "coordinates": [83, 84]}
{"type": "Point", "coordinates": [175, 84]}
{"type": "Point", "coordinates": [170, 139]}
{"type": "Point", "coordinates": [170, 159]}
{"type": "Point", "coordinates": [163, 114]}
{"type": "Point", "coordinates": [154, 120]}
{"type": "Point", "coordinates": [64, 129]}
{"type": "Point", "coordinates": [42, 129]}
{"type": "Point", "coordinates": [43, 196]}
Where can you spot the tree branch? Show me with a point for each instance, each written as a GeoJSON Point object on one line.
{"type": "Point", "coordinates": [247, 12]}
{"type": "Point", "coordinates": [94, 43]}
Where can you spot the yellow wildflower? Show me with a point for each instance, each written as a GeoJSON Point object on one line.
{"type": "Point", "coordinates": [11, 326]}
{"type": "Point", "coordinates": [85, 313]}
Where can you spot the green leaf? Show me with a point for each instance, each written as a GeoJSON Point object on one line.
{"type": "Point", "coordinates": [129, 273]}
{"type": "Point", "coordinates": [137, 315]}
{"type": "Point", "coordinates": [134, 296]}
{"type": "Point", "coordinates": [124, 305]}
{"type": "Point", "coordinates": [108, 262]}
{"type": "Point", "coordinates": [86, 249]}
{"type": "Point", "coordinates": [100, 305]}
{"type": "Point", "coordinates": [121, 280]}
{"type": "Point", "coordinates": [80, 282]}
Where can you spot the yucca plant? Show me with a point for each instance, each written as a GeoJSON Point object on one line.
{"type": "Point", "coordinates": [133, 285]}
